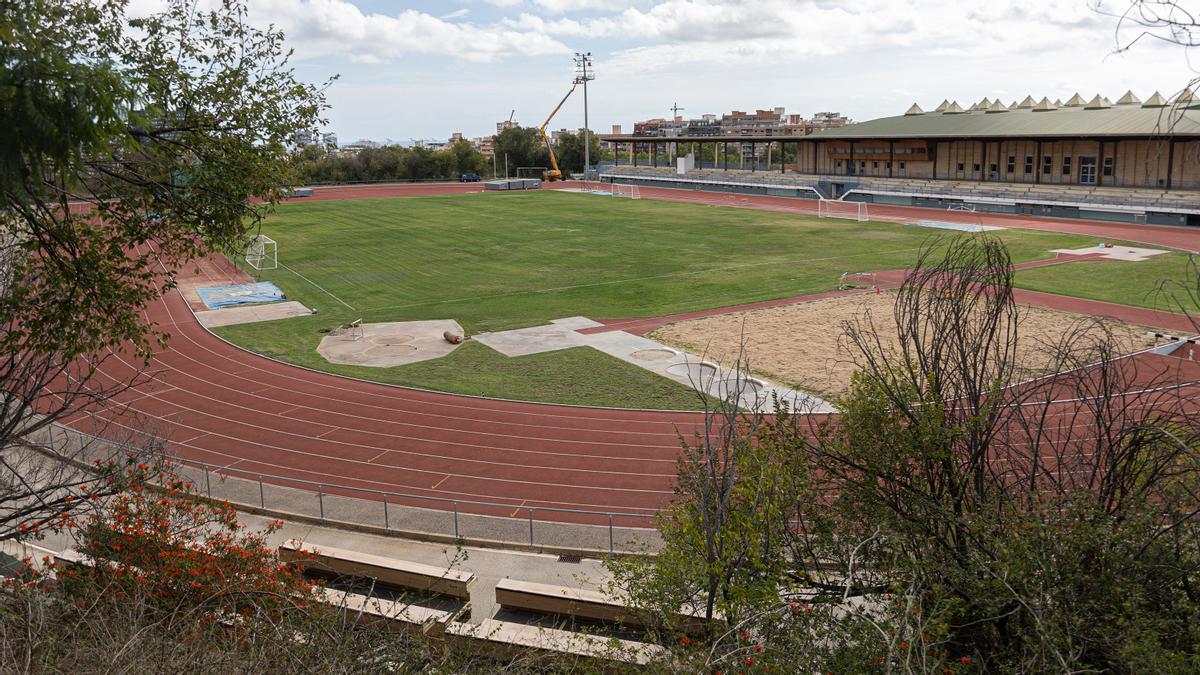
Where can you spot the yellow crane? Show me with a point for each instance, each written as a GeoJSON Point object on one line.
{"type": "Point", "coordinates": [554, 174]}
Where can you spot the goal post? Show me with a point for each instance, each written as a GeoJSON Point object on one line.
{"type": "Point", "coordinates": [629, 191]}
{"type": "Point", "coordinates": [262, 253]}
{"type": "Point", "coordinates": [835, 208]}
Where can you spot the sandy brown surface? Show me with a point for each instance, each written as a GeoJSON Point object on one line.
{"type": "Point", "coordinates": [802, 345]}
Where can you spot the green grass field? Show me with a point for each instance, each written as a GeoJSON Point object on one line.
{"type": "Point", "coordinates": [501, 261]}
{"type": "Point", "coordinates": [1125, 283]}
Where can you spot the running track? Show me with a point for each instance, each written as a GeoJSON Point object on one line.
{"type": "Point", "coordinates": [223, 406]}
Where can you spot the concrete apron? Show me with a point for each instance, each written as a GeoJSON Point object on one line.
{"type": "Point", "coordinates": [687, 369]}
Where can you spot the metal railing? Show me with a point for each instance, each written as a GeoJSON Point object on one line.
{"type": "Point", "coordinates": [558, 524]}
{"type": "Point", "coordinates": [469, 521]}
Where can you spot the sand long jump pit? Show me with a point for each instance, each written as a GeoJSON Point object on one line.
{"type": "Point", "coordinates": [802, 345]}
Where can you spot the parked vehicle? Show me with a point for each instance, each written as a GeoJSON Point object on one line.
{"type": "Point", "coordinates": [469, 178]}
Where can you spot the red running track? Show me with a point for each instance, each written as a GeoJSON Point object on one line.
{"type": "Point", "coordinates": [220, 405]}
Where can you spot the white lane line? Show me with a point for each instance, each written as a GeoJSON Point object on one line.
{"type": "Point", "coordinates": [317, 286]}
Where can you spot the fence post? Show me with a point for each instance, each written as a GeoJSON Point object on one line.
{"type": "Point", "coordinates": [530, 527]}
{"type": "Point", "coordinates": [385, 511]}
{"type": "Point", "coordinates": [321, 500]}
{"type": "Point", "coordinates": [456, 520]}
{"type": "Point", "coordinates": [262, 499]}
{"type": "Point", "coordinates": [207, 482]}
{"type": "Point", "coordinates": [610, 535]}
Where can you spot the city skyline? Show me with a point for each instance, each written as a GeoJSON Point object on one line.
{"type": "Point", "coordinates": [424, 69]}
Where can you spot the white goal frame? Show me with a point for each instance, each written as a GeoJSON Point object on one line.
{"type": "Point", "coordinates": [836, 208]}
{"type": "Point", "coordinates": [630, 191]}
{"type": "Point", "coordinates": [262, 253]}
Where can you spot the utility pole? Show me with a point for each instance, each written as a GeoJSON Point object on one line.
{"type": "Point", "coordinates": [583, 64]}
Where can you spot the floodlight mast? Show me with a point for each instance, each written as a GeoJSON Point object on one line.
{"type": "Point", "coordinates": [583, 64]}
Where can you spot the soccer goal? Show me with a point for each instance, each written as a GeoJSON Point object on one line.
{"type": "Point", "coordinates": [630, 191]}
{"type": "Point", "coordinates": [261, 253]}
{"type": "Point", "coordinates": [834, 208]}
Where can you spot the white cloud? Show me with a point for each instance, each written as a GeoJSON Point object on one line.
{"type": "Point", "coordinates": [337, 26]}
{"type": "Point", "coordinates": [570, 6]}
{"type": "Point", "coordinates": [680, 31]}
{"type": "Point", "coordinates": [865, 57]}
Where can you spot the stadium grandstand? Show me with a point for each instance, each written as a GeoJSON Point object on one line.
{"type": "Point", "coordinates": [1129, 160]}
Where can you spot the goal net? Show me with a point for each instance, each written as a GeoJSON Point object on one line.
{"type": "Point", "coordinates": [833, 208]}
{"type": "Point", "coordinates": [630, 191]}
{"type": "Point", "coordinates": [261, 253]}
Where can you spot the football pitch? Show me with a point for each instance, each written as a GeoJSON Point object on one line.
{"type": "Point", "coordinates": [501, 261]}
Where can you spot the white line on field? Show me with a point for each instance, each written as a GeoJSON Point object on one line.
{"type": "Point", "coordinates": [315, 284]}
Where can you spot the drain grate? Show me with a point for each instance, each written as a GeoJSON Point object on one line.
{"type": "Point", "coordinates": [567, 558]}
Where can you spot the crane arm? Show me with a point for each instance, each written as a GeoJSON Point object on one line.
{"type": "Point", "coordinates": [555, 173]}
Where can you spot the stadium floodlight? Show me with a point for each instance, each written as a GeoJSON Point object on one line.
{"type": "Point", "coordinates": [584, 74]}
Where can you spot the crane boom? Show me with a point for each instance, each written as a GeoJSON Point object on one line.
{"type": "Point", "coordinates": [554, 173]}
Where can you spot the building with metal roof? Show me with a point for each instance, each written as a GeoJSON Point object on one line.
{"type": "Point", "coordinates": [1087, 142]}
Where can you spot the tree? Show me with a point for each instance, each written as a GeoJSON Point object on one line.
{"type": "Point", "coordinates": [569, 150]}
{"type": "Point", "coordinates": [131, 147]}
{"type": "Point", "coordinates": [958, 511]}
{"type": "Point", "coordinates": [735, 493]}
{"type": "Point", "coordinates": [523, 147]}
{"type": "Point", "coordinates": [467, 159]}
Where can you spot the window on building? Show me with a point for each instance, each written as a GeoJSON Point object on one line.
{"type": "Point", "coordinates": [1011, 165]}
{"type": "Point", "coordinates": [874, 165]}
{"type": "Point", "coordinates": [975, 167]}
{"type": "Point", "coordinates": [1028, 164]}
{"type": "Point", "coordinates": [839, 164]}
{"type": "Point", "coordinates": [1108, 166]}
{"type": "Point", "coordinates": [901, 165]}
{"type": "Point", "coordinates": [888, 166]}
{"type": "Point", "coordinates": [960, 166]}
{"type": "Point", "coordinates": [862, 165]}
{"type": "Point", "coordinates": [993, 169]}
{"type": "Point", "coordinates": [1047, 165]}
{"type": "Point", "coordinates": [1066, 166]}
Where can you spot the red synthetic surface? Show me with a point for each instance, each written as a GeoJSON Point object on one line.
{"type": "Point", "coordinates": [224, 406]}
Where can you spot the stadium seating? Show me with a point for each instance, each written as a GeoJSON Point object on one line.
{"type": "Point", "coordinates": [1103, 197]}
{"type": "Point", "coordinates": [389, 615]}
{"type": "Point", "coordinates": [1075, 195]}
{"type": "Point", "coordinates": [389, 571]}
{"type": "Point", "coordinates": [506, 640]}
{"type": "Point", "coordinates": [577, 603]}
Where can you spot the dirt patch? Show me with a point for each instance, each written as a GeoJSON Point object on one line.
{"type": "Point", "coordinates": [802, 346]}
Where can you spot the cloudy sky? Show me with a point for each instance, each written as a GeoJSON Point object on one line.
{"type": "Point", "coordinates": [426, 68]}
